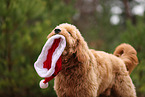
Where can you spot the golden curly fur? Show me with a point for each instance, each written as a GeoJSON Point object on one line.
{"type": "Point", "coordinates": [89, 73]}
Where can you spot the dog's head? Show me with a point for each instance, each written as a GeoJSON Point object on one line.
{"type": "Point", "coordinates": [75, 43]}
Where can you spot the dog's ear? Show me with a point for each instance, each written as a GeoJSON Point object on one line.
{"type": "Point", "coordinates": [81, 50]}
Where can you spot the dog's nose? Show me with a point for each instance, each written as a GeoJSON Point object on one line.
{"type": "Point", "coordinates": [57, 31]}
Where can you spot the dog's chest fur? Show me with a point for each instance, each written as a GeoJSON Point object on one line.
{"type": "Point", "coordinates": [73, 80]}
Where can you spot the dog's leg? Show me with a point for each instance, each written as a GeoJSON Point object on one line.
{"type": "Point", "coordinates": [123, 87]}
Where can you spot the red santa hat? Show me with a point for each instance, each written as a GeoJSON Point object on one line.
{"type": "Point", "coordinates": [48, 63]}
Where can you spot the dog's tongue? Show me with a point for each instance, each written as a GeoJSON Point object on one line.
{"type": "Point", "coordinates": [48, 63]}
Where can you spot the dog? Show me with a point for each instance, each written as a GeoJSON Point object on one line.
{"type": "Point", "coordinates": [89, 73]}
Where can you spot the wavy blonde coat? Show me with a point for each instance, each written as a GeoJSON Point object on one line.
{"type": "Point", "coordinates": [89, 73]}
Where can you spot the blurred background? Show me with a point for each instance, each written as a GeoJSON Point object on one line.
{"type": "Point", "coordinates": [25, 24]}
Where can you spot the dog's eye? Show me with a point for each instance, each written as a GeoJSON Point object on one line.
{"type": "Point", "coordinates": [70, 33]}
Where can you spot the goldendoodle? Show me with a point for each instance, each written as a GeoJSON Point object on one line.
{"type": "Point", "coordinates": [88, 73]}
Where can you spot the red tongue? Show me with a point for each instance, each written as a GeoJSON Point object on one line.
{"type": "Point", "coordinates": [47, 62]}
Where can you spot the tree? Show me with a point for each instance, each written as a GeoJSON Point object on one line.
{"type": "Point", "coordinates": [135, 35]}
{"type": "Point", "coordinates": [24, 26]}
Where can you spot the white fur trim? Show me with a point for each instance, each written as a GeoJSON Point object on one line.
{"type": "Point", "coordinates": [38, 65]}
{"type": "Point", "coordinates": [42, 84]}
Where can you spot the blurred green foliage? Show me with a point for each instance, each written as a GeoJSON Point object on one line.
{"type": "Point", "coordinates": [135, 35]}
{"type": "Point", "coordinates": [24, 26]}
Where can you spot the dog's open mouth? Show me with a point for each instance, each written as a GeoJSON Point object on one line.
{"type": "Point", "coordinates": [48, 63]}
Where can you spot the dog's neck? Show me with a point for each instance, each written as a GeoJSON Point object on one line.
{"type": "Point", "coordinates": [69, 63]}
{"type": "Point", "coordinates": [75, 58]}
{"type": "Point", "coordinates": [68, 60]}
